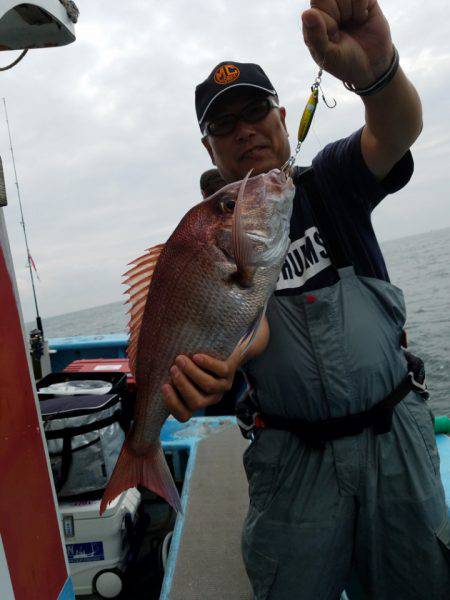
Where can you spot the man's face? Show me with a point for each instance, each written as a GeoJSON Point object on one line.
{"type": "Point", "coordinates": [260, 146]}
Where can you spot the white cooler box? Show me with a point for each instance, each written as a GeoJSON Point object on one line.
{"type": "Point", "coordinates": [97, 547]}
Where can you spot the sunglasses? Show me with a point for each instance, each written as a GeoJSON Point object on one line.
{"type": "Point", "coordinates": [252, 113]}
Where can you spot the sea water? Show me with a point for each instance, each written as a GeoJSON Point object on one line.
{"type": "Point", "coordinates": [419, 265]}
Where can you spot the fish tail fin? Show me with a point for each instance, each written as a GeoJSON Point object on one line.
{"type": "Point", "coordinates": [149, 469]}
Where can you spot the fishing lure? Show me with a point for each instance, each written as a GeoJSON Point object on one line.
{"type": "Point", "coordinates": [307, 117]}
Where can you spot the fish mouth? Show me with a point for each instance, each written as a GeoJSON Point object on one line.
{"type": "Point", "coordinates": [272, 243]}
{"type": "Point", "coordinates": [257, 237]}
{"type": "Point", "coordinates": [268, 243]}
{"type": "Point", "coordinates": [281, 224]}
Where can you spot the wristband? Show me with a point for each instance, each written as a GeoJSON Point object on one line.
{"type": "Point", "coordinates": [381, 83]}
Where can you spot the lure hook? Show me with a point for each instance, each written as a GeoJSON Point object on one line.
{"type": "Point", "coordinates": [318, 85]}
{"type": "Point", "coordinates": [325, 100]}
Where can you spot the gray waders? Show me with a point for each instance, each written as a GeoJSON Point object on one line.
{"type": "Point", "coordinates": [369, 503]}
{"type": "Point", "coordinates": [372, 501]}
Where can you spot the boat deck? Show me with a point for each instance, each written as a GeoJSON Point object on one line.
{"type": "Point", "coordinates": [214, 513]}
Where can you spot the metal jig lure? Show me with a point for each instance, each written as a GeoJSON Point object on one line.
{"type": "Point", "coordinates": [307, 117]}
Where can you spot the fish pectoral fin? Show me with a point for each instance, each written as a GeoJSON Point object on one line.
{"type": "Point", "coordinates": [139, 279]}
{"type": "Point", "coordinates": [249, 336]}
{"type": "Point", "coordinates": [242, 248]}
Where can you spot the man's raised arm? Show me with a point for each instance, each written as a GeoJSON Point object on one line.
{"type": "Point", "coordinates": [352, 40]}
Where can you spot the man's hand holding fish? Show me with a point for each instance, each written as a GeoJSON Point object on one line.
{"type": "Point", "coordinates": [202, 380]}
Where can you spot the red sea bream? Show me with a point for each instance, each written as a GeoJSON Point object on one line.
{"type": "Point", "coordinates": [203, 291]}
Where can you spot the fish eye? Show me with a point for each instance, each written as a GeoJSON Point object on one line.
{"type": "Point", "coordinates": [227, 205]}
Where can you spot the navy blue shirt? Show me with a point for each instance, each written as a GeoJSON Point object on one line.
{"type": "Point", "coordinates": [350, 192]}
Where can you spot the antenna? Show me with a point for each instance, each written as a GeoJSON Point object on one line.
{"type": "Point", "coordinates": [22, 222]}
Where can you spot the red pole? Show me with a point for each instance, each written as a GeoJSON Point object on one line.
{"type": "Point", "coordinates": [29, 527]}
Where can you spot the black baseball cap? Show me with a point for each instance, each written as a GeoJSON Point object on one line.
{"type": "Point", "coordinates": [225, 76]}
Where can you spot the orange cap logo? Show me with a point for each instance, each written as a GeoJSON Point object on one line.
{"type": "Point", "coordinates": [226, 74]}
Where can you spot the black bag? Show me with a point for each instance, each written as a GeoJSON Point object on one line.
{"type": "Point", "coordinates": [84, 437]}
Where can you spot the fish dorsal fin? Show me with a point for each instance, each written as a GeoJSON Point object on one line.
{"type": "Point", "coordinates": [138, 280]}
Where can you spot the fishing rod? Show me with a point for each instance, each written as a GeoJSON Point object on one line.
{"type": "Point", "coordinates": [22, 222]}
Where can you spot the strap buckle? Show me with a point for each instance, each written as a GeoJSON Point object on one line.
{"type": "Point", "coordinates": [419, 387]}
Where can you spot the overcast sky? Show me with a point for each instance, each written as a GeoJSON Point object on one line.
{"type": "Point", "coordinates": [107, 145]}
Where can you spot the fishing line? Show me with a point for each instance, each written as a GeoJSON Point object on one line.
{"type": "Point", "coordinates": [316, 136]}
{"type": "Point", "coordinates": [22, 222]}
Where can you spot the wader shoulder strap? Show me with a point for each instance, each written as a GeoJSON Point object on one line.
{"type": "Point", "coordinates": [323, 218]}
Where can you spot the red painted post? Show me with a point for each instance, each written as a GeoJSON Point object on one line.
{"type": "Point", "coordinates": [29, 527]}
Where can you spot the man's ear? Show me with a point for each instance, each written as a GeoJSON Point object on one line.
{"type": "Point", "coordinates": [207, 145]}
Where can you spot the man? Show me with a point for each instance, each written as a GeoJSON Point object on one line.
{"type": "Point", "coordinates": [343, 468]}
{"type": "Point", "coordinates": [210, 182]}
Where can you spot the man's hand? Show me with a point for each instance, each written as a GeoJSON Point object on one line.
{"type": "Point", "coordinates": [201, 381]}
{"type": "Point", "coordinates": [350, 38]}
{"type": "Point", "coordinates": [352, 41]}
{"type": "Point", "coordinates": [198, 383]}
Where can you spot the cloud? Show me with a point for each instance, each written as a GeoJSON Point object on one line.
{"type": "Point", "coordinates": [108, 149]}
